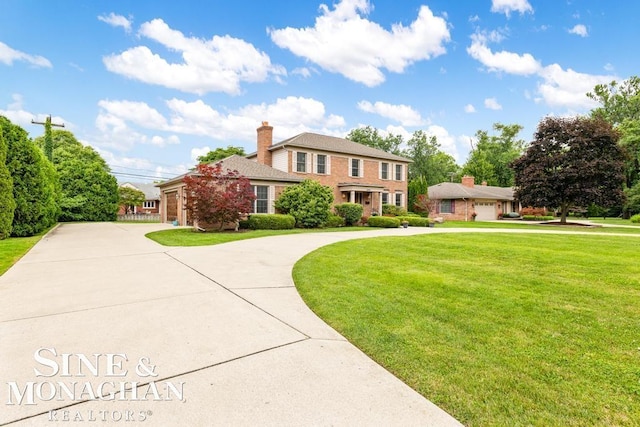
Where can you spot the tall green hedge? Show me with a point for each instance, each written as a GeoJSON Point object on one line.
{"type": "Point", "coordinates": [7, 203]}
{"type": "Point", "coordinates": [35, 183]}
{"type": "Point", "coordinates": [351, 212]}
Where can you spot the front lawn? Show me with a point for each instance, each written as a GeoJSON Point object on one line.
{"type": "Point", "coordinates": [14, 248]}
{"type": "Point", "coordinates": [497, 329]}
{"type": "Point", "coordinates": [188, 237]}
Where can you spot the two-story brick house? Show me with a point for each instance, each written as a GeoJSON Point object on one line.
{"type": "Point", "coordinates": [356, 173]}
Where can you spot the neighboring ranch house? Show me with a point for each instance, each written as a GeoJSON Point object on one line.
{"type": "Point", "coordinates": [151, 204]}
{"type": "Point", "coordinates": [356, 173]}
{"type": "Point", "coordinates": [267, 182]}
{"type": "Point", "coordinates": [458, 202]}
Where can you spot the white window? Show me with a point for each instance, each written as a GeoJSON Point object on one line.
{"type": "Point", "coordinates": [385, 198]}
{"type": "Point", "coordinates": [399, 174]}
{"type": "Point", "coordinates": [321, 164]}
{"type": "Point", "coordinates": [447, 206]}
{"type": "Point", "coordinates": [355, 167]}
{"type": "Point", "coordinates": [149, 204]}
{"type": "Point", "coordinates": [384, 170]}
{"type": "Point", "coordinates": [398, 199]}
{"type": "Point", "coordinates": [301, 162]}
{"type": "Point", "coordinates": [261, 203]}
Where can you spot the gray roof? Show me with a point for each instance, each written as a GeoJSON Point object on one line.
{"type": "Point", "coordinates": [247, 168]}
{"type": "Point", "coordinates": [151, 192]}
{"type": "Point", "coordinates": [451, 190]}
{"type": "Point", "coordinates": [335, 145]}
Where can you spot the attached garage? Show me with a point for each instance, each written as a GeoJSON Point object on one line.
{"type": "Point", "coordinates": [172, 206]}
{"type": "Point", "coordinates": [486, 211]}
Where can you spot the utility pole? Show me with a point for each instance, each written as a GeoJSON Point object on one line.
{"type": "Point", "coordinates": [48, 139]}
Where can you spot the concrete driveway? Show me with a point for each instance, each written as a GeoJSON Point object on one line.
{"type": "Point", "coordinates": [182, 336]}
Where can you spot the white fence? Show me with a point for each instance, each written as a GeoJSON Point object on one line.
{"type": "Point", "coordinates": [140, 217]}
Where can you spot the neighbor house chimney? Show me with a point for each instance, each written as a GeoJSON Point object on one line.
{"type": "Point", "coordinates": [468, 181]}
{"type": "Point", "coordinates": [265, 139]}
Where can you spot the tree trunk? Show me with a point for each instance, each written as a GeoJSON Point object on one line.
{"type": "Point", "coordinates": [564, 210]}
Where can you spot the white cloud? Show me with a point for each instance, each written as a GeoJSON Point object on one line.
{"type": "Point", "coordinates": [609, 67]}
{"type": "Point", "coordinates": [9, 55]}
{"type": "Point", "coordinates": [447, 141]}
{"type": "Point", "coordinates": [508, 62]}
{"type": "Point", "coordinates": [579, 30]}
{"type": "Point", "coordinates": [122, 122]}
{"type": "Point", "coordinates": [567, 88]}
{"type": "Point", "coordinates": [469, 108]}
{"type": "Point", "coordinates": [220, 64]}
{"type": "Point", "coordinates": [135, 169]}
{"type": "Point", "coordinates": [16, 113]}
{"type": "Point", "coordinates": [492, 104]}
{"type": "Point", "coordinates": [116, 21]}
{"type": "Point", "coordinates": [303, 72]}
{"type": "Point", "coordinates": [343, 41]}
{"type": "Point", "coordinates": [404, 114]}
{"type": "Point", "coordinates": [197, 152]}
{"type": "Point", "coordinates": [508, 6]}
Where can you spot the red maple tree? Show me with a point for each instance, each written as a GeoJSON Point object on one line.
{"type": "Point", "coordinates": [218, 197]}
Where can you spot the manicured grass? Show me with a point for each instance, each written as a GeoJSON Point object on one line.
{"type": "Point", "coordinates": [614, 221]}
{"type": "Point", "coordinates": [497, 329]}
{"type": "Point", "coordinates": [14, 248]}
{"type": "Point", "coordinates": [520, 225]}
{"type": "Point", "coordinates": [188, 237]}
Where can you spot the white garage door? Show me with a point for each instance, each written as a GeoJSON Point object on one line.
{"type": "Point", "coordinates": [486, 211]}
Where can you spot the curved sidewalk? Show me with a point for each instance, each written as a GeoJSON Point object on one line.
{"type": "Point", "coordinates": [213, 335]}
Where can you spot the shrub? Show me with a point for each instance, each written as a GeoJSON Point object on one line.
{"type": "Point", "coordinates": [528, 211]}
{"type": "Point", "coordinates": [393, 210]}
{"type": "Point", "coordinates": [7, 203]}
{"type": "Point", "coordinates": [384, 222]}
{"type": "Point", "coordinates": [351, 212]}
{"type": "Point", "coordinates": [414, 221]}
{"type": "Point", "coordinates": [334, 221]}
{"type": "Point", "coordinates": [635, 218]}
{"type": "Point", "coordinates": [537, 217]}
{"type": "Point", "coordinates": [308, 202]}
{"type": "Point", "coordinates": [244, 224]}
{"type": "Point", "coordinates": [271, 222]}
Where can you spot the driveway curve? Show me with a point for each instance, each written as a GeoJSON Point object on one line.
{"type": "Point", "coordinates": [199, 336]}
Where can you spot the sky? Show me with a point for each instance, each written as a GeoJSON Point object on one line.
{"type": "Point", "coordinates": [151, 85]}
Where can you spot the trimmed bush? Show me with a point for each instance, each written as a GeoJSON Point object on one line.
{"type": "Point", "coordinates": [531, 211]}
{"type": "Point", "coordinates": [414, 221]}
{"type": "Point", "coordinates": [7, 203]}
{"type": "Point", "coordinates": [271, 222]}
{"type": "Point", "coordinates": [384, 222]}
{"type": "Point", "coordinates": [309, 202]}
{"type": "Point", "coordinates": [393, 210]}
{"type": "Point", "coordinates": [334, 221]}
{"type": "Point", "coordinates": [537, 217]}
{"type": "Point", "coordinates": [351, 212]}
{"type": "Point", "coordinates": [635, 219]}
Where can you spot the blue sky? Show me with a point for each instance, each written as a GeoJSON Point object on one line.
{"type": "Point", "coordinates": [153, 84]}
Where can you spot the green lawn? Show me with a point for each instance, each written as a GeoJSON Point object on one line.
{"type": "Point", "coordinates": [510, 224]}
{"type": "Point", "coordinates": [614, 221]}
{"type": "Point", "coordinates": [13, 248]}
{"type": "Point", "coordinates": [188, 237]}
{"type": "Point", "coordinates": [497, 329]}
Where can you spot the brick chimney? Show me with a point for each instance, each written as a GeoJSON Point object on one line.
{"type": "Point", "coordinates": [468, 181]}
{"type": "Point", "coordinates": [265, 139]}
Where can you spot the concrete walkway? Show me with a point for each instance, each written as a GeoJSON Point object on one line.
{"type": "Point", "coordinates": [211, 335]}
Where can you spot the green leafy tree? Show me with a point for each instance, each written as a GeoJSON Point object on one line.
{"type": "Point", "coordinates": [571, 162]}
{"type": "Point", "coordinates": [89, 191]}
{"type": "Point", "coordinates": [632, 204]}
{"type": "Point", "coordinates": [492, 156]}
{"type": "Point", "coordinates": [35, 183]}
{"type": "Point", "coordinates": [417, 186]}
{"type": "Point", "coordinates": [620, 106]}
{"type": "Point", "coordinates": [130, 197]}
{"type": "Point", "coordinates": [7, 202]}
{"type": "Point", "coordinates": [218, 197]}
{"type": "Point", "coordinates": [308, 202]}
{"type": "Point", "coordinates": [429, 161]}
{"type": "Point", "coordinates": [221, 153]}
{"type": "Point", "coordinates": [371, 137]}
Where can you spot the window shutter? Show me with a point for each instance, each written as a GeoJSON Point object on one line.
{"type": "Point", "coordinates": [314, 163]}
{"type": "Point", "coordinates": [349, 165]}
{"type": "Point", "coordinates": [360, 168]}
{"type": "Point", "coordinates": [272, 196]}
{"type": "Point", "coordinates": [294, 162]}
{"type": "Point", "coordinates": [453, 206]}
{"type": "Point", "coordinates": [328, 172]}
{"type": "Point", "coordinates": [309, 163]}
{"type": "Point", "coordinates": [438, 207]}
{"type": "Point", "coordinates": [379, 170]}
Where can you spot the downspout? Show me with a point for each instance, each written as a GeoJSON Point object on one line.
{"type": "Point", "coordinates": [466, 216]}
